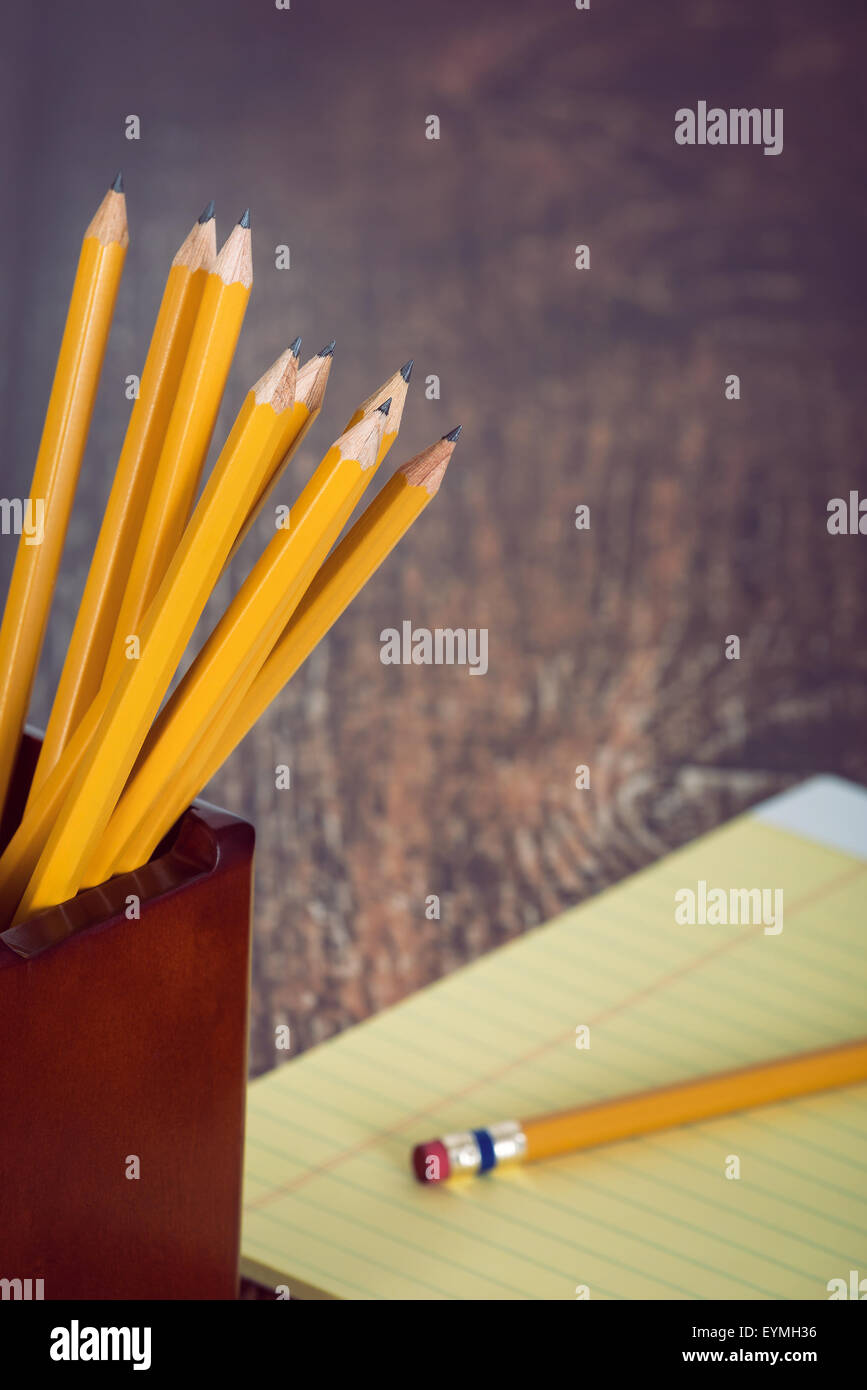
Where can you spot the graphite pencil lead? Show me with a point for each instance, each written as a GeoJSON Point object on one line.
{"type": "Point", "coordinates": [244, 219]}
{"type": "Point", "coordinates": [277, 384]}
{"type": "Point", "coordinates": [208, 212]}
{"type": "Point", "coordinates": [108, 223]}
{"type": "Point", "coordinates": [199, 247]}
{"type": "Point", "coordinates": [385, 407]}
{"type": "Point", "coordinates": [394, 389]}
{"type": "Point", "coordinates": [328, 350]}
{"type": "Point", "coordinates": [406, 370]}
{"type": "Point", "coordinates": [235, 263]}
{"type": "Point", "coordinates": [453, 434]}
{"type": "Point", "coordinates": [312, 380]}
{"type": "Point", "coordinates": [117, 183]}
{"type": "Point", "coordinates": [428, 468]}
{"type": "Point", "coordinates": [295, 347]}
{"type": "Point", "coordinates": [363, 439]}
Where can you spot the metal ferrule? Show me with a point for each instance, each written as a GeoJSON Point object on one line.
{"type": "Point", "coordinates": [464, 1153]}
{"type": "Point", "coordinates": [477, 1151]}
{"type": "Point", "coordinates": [510, 1142]}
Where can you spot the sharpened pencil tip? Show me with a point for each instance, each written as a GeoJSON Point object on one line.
{"type": "Point", "coordinates": [385, 407]}
{"type": "Point", "coordinates": [117, 185]}
{"type": "Point", "coordinates": [328, 350]}
{"type": "Point", "coordinates": [453, 434]}
{"type": "Point", "coordinates": [208, 212]}
{"type": "Point", "coordinates": [295, 348]}
{"type": "Point", "coordinates": [244, 219]}
{"type": "Point", "coordinates": [406, 370]}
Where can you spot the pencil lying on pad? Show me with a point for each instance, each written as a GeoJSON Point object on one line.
{"type": "Point", "coordinates": [510, 1142]}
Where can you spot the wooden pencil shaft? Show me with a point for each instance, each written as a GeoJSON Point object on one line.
{"type": "Point", "coordinates": [57, 468]}
{"type": "Point", "coordinates": [191, 425]}
{"type": "Point", "coordinates": [395, 390]}
{"type": "Point", "coordinates": [208, 756]}
{"type": "Point", "coordinates": [285, 450]}
{"type": "Point", "coordinates": [333, 588]}
{"type": "Point", "coordinates": [168, 626]}
{"type": "Point", "coordinates": [343, 575]}
{"type": "Point", "coordinates": [21, 856]}
{"type": "Point", "coordinates": [247, 630]}
{"type": "Point", "coordinates": [179, 786]}
{"type": "Point", "coordinates": [690, 1101]}
{"type": "Point", "coordinates": [84, 665]}
{"type": "Point", "coordinates": [43, 810]}
{"type": "Point", "coordinates": [312, 381]}
{"type": "Point", "coordinates": [310, 392]}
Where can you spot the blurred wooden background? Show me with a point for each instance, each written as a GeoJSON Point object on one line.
{"type": "Point", "coordinates": [602, 387]}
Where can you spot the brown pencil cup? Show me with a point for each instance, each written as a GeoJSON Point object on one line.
{"type": "Point", "coordinates": [123, 1060]}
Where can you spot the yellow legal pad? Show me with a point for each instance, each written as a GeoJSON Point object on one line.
{"type": "Point", "coordinates": [330, 1206]}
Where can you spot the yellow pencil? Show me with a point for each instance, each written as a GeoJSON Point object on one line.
{"type": "Point", "coordinates": [240, 642]}
{"type": "Point", "coordinates": [309, 394]}
{"type": "Point", "coordinates": [194, 414]}
{"type": "Point", "coordinates": [312, 380]}
{"type": "Point", "coordinates": [394, 390]}
{"type": "Point", "coordinates": [74, 805]}
{"type": "Point", "coordinates": [58, 464]}
{"type": "Point", "coordinates": [43, 808]}
{"type": "Point", "coordinates": [515, 1141]}
{"type": "Point", "coordinates": [347, 569]}
{"type": "Point", "coordinates": [216, 738]}
{"type": "Point", "coordinates": [98, 612]}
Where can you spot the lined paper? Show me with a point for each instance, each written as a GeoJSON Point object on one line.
{"type": "Point", "coordinates": [331, 1208]}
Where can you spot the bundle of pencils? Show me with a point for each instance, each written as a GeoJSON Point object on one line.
{"type": "Point", "coordinates": [116, 770]}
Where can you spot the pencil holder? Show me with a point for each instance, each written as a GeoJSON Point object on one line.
{"type": "Point", "coordinates": [123, 1059]}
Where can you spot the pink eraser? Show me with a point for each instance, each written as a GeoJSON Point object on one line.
{"type": "Point", "coordinates": [430, 1161]}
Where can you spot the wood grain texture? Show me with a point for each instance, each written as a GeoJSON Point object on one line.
{"type": "Point", "coordinates": [126, 1038]}
{"type": "Point", "coordinates": [603, 387]}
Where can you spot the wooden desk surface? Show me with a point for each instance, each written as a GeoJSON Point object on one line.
{"type": "Point", "coordinates": [708, 516]}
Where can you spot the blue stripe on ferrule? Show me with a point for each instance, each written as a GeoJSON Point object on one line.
{"type": "Point", "coordinates": [487, 1152]}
